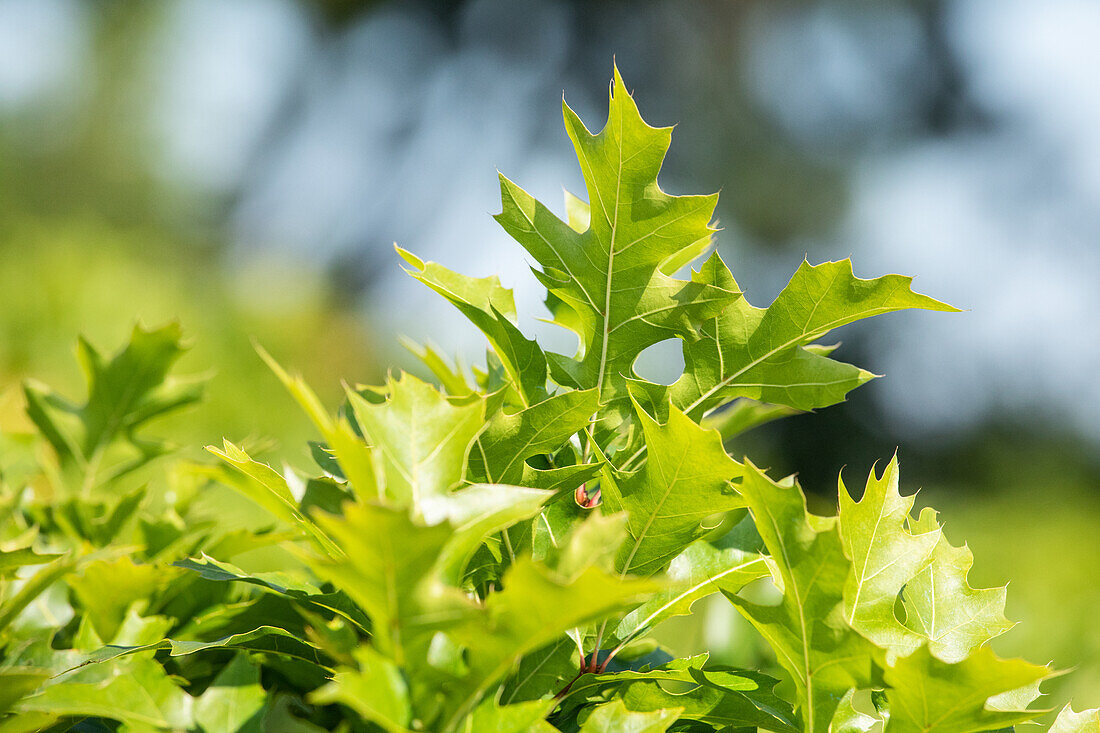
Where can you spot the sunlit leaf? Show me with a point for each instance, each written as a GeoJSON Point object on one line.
{"type": "Point", "coordinates": [1086, 721]}
{"type": "Point", "coordinates": [823, 656]}
{"type": "Point", "coordinates": [614, 717]}
{"type": "Point", "coordinates": [422, 438]}
{"type": "Point", "coordinates": [493, 310]}
{"type": "Point", "coordinates": [615, 277]}
{"type": "Point", "coordinates": [933, 696]}
{"type": "Point", "coordinates": [235, 701]}
{"type": "Point", "coordinates": [686, 480]}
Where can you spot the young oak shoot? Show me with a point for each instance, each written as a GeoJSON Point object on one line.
{"type": "Point", "coordinates": [440, 571]}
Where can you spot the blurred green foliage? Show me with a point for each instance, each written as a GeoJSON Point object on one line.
{"type": "Point", "coordinates": [83, 277]}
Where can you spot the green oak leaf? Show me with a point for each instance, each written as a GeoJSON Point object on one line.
{"type": "Point", "coordinates": [613, 280]}
{"type": "Point", "coordinates": [305, 592]}
{"type": "Point", "coordinates": [543, 672]}
{"type": "Point", "coordinates": [942, 607]}
{"type": "Point", "coordinates": [895, 555]}
{"type": "Point", "coordinates": [19, 682]}
{"type": "Point", "coordinates": [885, 556]}
{"type": "Point", "coordinates": [107, 588]}
{"type": "Point", "coordinates": [139, 694]}
{"type": "Point", "coordinates": [743, 415]}
{"type": "Point", "coordinates": [1086, 721]}
{"type": "Point", "coordinates": [500, 452]}
{"type": "Point", "coordinates": [614, 717]}
{"type": "Point", "coordinates": [404, 570]}
{"type": "Point", "coordinates": [451, 377]}
{"type": "Point", "coordinates": [686, 480]}
{"type": "Point", "coordinates": [928, 695]}
{"type": "Point", "coordinates": [695, 573]}
{"type": "Point", "coordinates": [523, 717]}
{"type": "Point", "coordinates": [235, 702]}
{"type": "Point", "coordinates": [12, 560]}
{"type": "Point", "coordinates": [98, 441]}
{"type": "Point", "coordinates": [491, 308]}
{"type": "Point", "coordinates": [33, 597]}
{"type": "Point", "coordinates": [269, 489]}
{"type": "Point", "coordinates": [355, 458]}
{"type": "Point", "coordinates": [389, 568]}
{"type": "Point", "coordinates": [545, 536]}
{"type": "Point", "coordinates": [279, 581]}
{"type": "Point", "coordinates": [475, 513]}
{"type": "Point", "coordinates": [535, 608]}
{"type": "Point", "coordinates": [422, 438]}
{"type": "Point", "coordinates": [592, 543]}
{"type": "Point", "coordinates": [763, 354]}
{"type": "Point", "coordinates": [375, 689]}
{"type": "Point", "coordinates": [35, 722]}
{"type": "Point", "coordinates": [557, 479]}
{"type": "Point", "coordinates": [823, 656]}
{"type": "Point", "coordinates": [719, 696]}
{"type": "Point", "coordinates": [849, 719]}
{"type": "Point", "coordinates": [266, 639]}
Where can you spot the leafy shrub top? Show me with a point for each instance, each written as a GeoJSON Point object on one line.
{"type": "Point", "coordinates": [490, 554]}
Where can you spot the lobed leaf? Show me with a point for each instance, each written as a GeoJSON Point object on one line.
{"type": "Point", "coordinates": [422, 438]}
{"type": "Point", "coordinates": [824, 657]}
{"type": "Point", "coordinates": [375, 690]}
{"type": "Point", "coordinates": [695, 573]}
{"type": "Point", "coordinates": [723, 697]}
{"type": "Point", "coordinates": [885, 557]}
{"type": "Point", "coordinates": [492, 309]}
{"type": "Point", "coordinates": [500, 452]}
{"type": "Point", "coordinates": [686, 480]}
{"type": "Point", "coordinates": [98, 441]}
{"type": "Point", "coordinates": [929, 695]}
{"type": "Point", "coordinates": [387, 566]}
{"type": "Point", "coordinates": [268, 488]}
{"type": "Point", "coordinates": [768, 354]}
{"type": "Point", "coordinates": [612, 282]}
{"type": "Point", "coordinates": [614, 717]}
{"type": "Point", "coordinates": [235, 701]}
{"type": "Point", "coordinates": [143, 696]}
{"type": "Point", "coordinates": [1086, 721]}
{"type": "Point", "coordinates": [535, 608]}
{"type": "Point", "coordinates": [942, 607]}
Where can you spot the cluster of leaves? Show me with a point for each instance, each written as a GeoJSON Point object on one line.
{"type": "Point", "coordinates": [491, 554]}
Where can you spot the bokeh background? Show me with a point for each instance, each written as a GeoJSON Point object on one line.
{"type": "Point", "coordinates": [245, 166]}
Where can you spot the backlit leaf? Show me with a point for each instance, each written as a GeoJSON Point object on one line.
{"type": "Point", "coordinates": [932, 696]}
{"type": "Point", "coordinates": [235, 701]}
{"type": "Point", "coordinates": [822, 654]}
{"type": "Point", "coordinates": [1086, 721]}
{"type": "Point", "coordinates": [885, 556]}
{"type": "Point", "coordinates": [421, 437]}
{"type": "Point", "coordinates": [686, 480]}
{"type": "Point", "coordinates": [761, 353]}
{"type": "Point", "coordinates": [614, 717]}
{"type": "Point", "coordinates": [615, 277]}
{"type": "Point", "coordinates": [695, 573]}
{"type": "Point", "coordinates": [941, 606]}
{"type": "Point", "coordinates": [492, 309]}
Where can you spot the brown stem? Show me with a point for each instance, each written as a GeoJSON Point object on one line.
{"type": "Point", "coordinates": [588, 666]}
{"type": "Point", "coordinates": [565, 690]}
